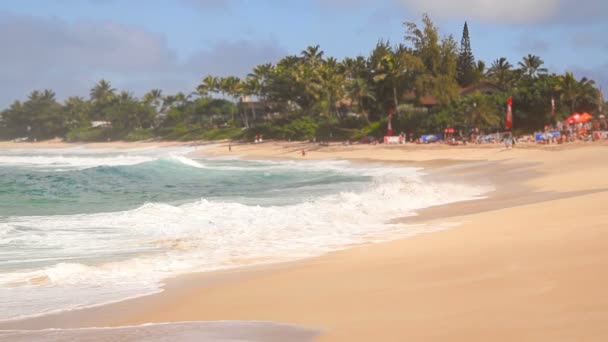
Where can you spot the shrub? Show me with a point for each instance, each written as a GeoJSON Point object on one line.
{"type": "Point", "coordinates": [88, 134]}
{"type": "Point", "coordinates": [140, 134]}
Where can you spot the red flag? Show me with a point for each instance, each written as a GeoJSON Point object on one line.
{"type": "Point", "coordinates": [509, 122]}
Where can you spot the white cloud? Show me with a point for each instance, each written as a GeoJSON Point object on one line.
{"type": "Point", "coordinates": [519, 11]}
{"type": "Point", "coordinates": [571, 12]}
{"type": "Point", "coordinates": [235, 58]}
{"type": "Point", "coordinates": [40, 53]}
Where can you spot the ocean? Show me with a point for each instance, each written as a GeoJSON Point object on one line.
{"type": "Point", "coordinates": [82, 227]}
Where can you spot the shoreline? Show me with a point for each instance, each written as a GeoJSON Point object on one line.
{"type": "Point", "coordinates": [530, 185]}
{"type": "Point", "coordinates": [284, 149]}
{"type": "Point", "coordinates": [98, 314]}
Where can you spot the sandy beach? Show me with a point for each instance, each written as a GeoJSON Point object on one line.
{"type": "Point", "coordinates": [527, 263]}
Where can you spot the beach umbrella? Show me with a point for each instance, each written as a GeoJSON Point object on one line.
{"type": "Point", "coordinates": [585, 117]}
{"type": "Point", "coordinates": [573, 118]}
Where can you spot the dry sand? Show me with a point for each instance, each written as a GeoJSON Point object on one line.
{"type": "Point", "coordinates": [527, 264]}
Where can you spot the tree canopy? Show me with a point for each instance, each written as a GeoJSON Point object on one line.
{"type": "Point", "coordinates": [313, 95]}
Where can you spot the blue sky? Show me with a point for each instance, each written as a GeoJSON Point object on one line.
{"type": "Point", "coordinates": [68, 45]}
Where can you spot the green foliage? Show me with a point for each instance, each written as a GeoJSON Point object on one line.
{"type": "Point", "coordinates": [304, 128]}
{"type": "Point", "coordinates": [466, 60]}
{"type": "Point", "coordinates": [175, 132]}
{"type": "Point", "coordinates": [183, 132]}
{"type": "Point", "coordinates": [501, 73]}
{"type": "Point", "coordinates": [232, 133]}
{"type": "Point", "coordinates": [439, 58]}
{"type": "Point", "coordinates": [373, 129]}
{"type": "Point", "coordinates": [40, 117]}
{"type": "Point", "coordinates": [312, 95]}
{"type": "Point", "coordinates": [88, 134]}
{"type": "Point", "coordinates": [140, 135]}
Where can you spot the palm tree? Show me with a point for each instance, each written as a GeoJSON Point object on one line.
{"type": "Point", "coordinates": [235, 88]}
{"type": "Point", "coordinates": [77, 110]}
{"type": "Point", "coordinates": [210, 85]}
{"type": "Point", "coordinates": [251, 86]}
{"type": "Point", "coordinates": [359, 89]}
{"type": "Point", "coordinates": [308, 84]}
{"type": "Point", "coordinates": [573, 91]}
{"type": "Point", "coordinates": [153, 97]}
{"type": "Point", "coordinates": [34, 95]}
{"type": "Point", "coordinates": [332, 82]}
{"type": "Point", "coordinates": [312, 54]}
{"type": "Point", "coordinates": [500, 71]}
{"type": "Point", "coordinates": [125, 96]}
{"type": "Point", "coordinates": [263, 74]}
{"type": "Point", "coordinates": [102, 92]}
{"type": "Point", "coordinates": [355, 67]}
{"type": "Point", "coordinates": [532, 66]}
{"type": "Point", "coordinates": [48, 94]}
{"type": "Point", "coordinates": [393, 68]}
{"type": "Point", "coordinates": [480, 71]}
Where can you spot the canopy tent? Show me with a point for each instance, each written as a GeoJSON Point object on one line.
{"type": "Point", "coordinates": [578, 118]}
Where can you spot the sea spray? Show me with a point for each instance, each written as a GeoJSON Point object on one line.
{"type": "Point", "coordinates": [137, 224]}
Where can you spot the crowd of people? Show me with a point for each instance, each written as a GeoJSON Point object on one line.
{"type": "Point", "coordinates": [563, 132]}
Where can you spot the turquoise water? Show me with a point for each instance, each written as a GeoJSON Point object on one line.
{"type": "Point", "coordinates": [25, 191]}
{"type": "Point", "coordinates": [82, 227]}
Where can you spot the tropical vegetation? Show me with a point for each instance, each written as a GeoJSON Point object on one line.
{"type": "Point", "coordinates": [314, 96]}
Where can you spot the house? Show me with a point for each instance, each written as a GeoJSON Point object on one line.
{"type": "Point", "coordinates": [263, 110]}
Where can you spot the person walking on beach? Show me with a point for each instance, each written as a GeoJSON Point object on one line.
{"type": "Point", "coordinates": [229, 147]}
{"type": "Point", "coordinates": [303, 153]}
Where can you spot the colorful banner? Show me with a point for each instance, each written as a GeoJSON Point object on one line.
{"type": "Point", "coordinates": [428, 138]}
{"type": "Point", "coordinates": [547, 135]}
{"type": "Point", "coordinates": [393, 140]}
{"type": "Point", "coordinates": [600, 135]}
{"type": "Point", "coordinates": [509, 121]}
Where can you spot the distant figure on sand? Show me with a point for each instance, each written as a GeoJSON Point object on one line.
{"type": "Point", "coordinates": [303, 153]}
{"type": "Point", "coordinates": [229, 147]}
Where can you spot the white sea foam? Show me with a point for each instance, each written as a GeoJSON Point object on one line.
{"type": "Point", "coordinates": [107, 257]}
{"type": "Point", "coordinates": [79, 158]}
{"type": "Point", "coordinates": [187, 161]}
{"type": "Point", "coordinates": [80, 162]}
